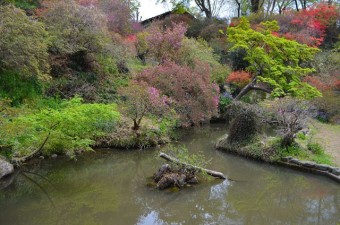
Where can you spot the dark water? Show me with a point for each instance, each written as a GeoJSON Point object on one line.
{"type": "Point", "coordinates": [110, 187]}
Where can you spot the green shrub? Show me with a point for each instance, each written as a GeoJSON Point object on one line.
{"type": "Point", "coordinates": [23, 44]}
{"type": "Point", "coordinates": [183, 155]}
{"type": "Point", "coordinates": [323, 159]}
{"type": "Point", "coordinates": [17, 88]}
{"type": "Point", "coordinates": [72, 126]}
{"type": "Point", "coordinates": [301, 136]}
{"type": "Point", "coordinates": [24, 4]}
{"type": "Point", "coordinates": [316, 148]}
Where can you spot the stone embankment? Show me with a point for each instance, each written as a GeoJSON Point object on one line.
{"type": "Point", "coordinates": [330, 171]}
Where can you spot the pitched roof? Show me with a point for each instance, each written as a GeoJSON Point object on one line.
{"type": "Point", "coordinates": [161, 16]}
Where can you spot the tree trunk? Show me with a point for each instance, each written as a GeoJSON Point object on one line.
{"type": "Point", "coordinates": [287, 140]}
{"type": "Point", "coordinates": [249, 87]}
{"type": "Point", "coordinates": [209, 172]}
{"type": "Point", "coordinates": [238, 9]}
{"type": "Point", "coordinates": [208, 14]}
{"type": "Point", "coordinates": [135, 125]}
{"type": "Point", "coordinates": [255, 5]}
{"type": "Point", "coordinates": [296, 5]}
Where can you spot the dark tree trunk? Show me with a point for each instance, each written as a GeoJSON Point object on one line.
{"type": "Point", "coordinates": [287, 140]}
{"type": "Point", "coordinates": [238, 8]}
{"type": "Point", "coordinates": [303, 4]}
{"type": "Point", "coordinates": [255, 5]}
{"type": "Point", "coordinates": [205, 6]}
{"type": "Point", "coordinates": [135, 125]}
{"type": "Point", "coordinates": [251, 86]}
{"type": "Point", "coordinates": [296, 5]}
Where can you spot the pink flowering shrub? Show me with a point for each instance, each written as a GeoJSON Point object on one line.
{"type": "Point", "coordinates": [164, 43]}
{"type": "Point", "coordinates": [193, 96]}
{"type": "Point", "coordinates": [142, 100]}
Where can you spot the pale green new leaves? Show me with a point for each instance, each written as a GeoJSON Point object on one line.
{"type": "Point", "coordinates": [276, 61]}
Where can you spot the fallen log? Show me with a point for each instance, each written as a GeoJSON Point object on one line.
{"type": "Point", "coordinates": [209, 172]}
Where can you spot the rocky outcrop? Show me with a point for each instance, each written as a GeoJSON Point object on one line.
{"type": "Point", "coordinates": [5, 168]}
{"type": "Point", "coordinates": [330, 171]}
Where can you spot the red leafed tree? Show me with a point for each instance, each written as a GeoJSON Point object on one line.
{"type": "Point", "coordinates": [239, 78]}
{"type": "Point", "coordinates": [194, 97]}
{"type": "Point", "coordinates": [308, 26]}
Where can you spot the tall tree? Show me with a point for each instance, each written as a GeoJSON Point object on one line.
{"type": "Point", "coordinates": [210, 8]}
{"type": "Point", "coordinates": [275, 63]}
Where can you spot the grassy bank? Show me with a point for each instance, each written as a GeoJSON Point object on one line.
{"type": "Point", "coordinates": [65, 127]}
{"type": "Point", "coordinates": [268, 149]}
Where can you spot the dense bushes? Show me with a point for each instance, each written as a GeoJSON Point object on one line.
{"type": "Point", "coordinates": [23, 44]}
{"type": "Point", "coordinates": [19, 89]}
{"type": "Point", "coordinates": [86, 59]}
{"type": "Point", "coordinates": [194, 97]}
{"type": "Point", "coordinates": [68, 126]}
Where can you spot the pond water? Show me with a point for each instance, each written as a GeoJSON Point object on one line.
{"type": "Point", "coordinates": [110, 187]}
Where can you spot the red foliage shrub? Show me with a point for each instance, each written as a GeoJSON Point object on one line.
{"type": "Point", "coordinates": [194, 97]}
{"type": "Point", "coordinates": [324, 84]}
{"type": "Point", "coordinates": [239, 78]}
{"type": "Point", "coordinates": [316, 82]}
{"type": "Point", "coordinates": [308, 26]}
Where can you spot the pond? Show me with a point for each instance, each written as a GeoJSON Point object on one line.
{"type": "Point", "coordinates": [110, 187]}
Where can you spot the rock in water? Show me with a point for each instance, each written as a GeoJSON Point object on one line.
{"type": "Point", "coordinates": [163, 170]}
{"type": "Point", "coordinates": [170, 180]}
{"type": "Point", "coordinates": [5, 168]}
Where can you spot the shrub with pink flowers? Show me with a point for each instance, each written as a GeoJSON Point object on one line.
{"type": "Point", "coordinates": [193, 96]}
{"type": "Point", "coordinates": [141, 100]}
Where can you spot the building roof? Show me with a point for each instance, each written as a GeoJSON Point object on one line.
{"type": "Point", "coordinates": [161, 17]}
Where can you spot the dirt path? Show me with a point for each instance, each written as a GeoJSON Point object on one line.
{"type": "Point", "coordinates": [329, 136]}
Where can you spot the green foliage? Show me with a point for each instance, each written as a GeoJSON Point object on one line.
{"type": "Point", "coordinates": [223, 103]}
{"type": "Point", "coordinates": [183, 155]}
{"type": "Point", "coordinates": [75, 28]}
{"type": "Point", "coordinates": [199, 50]}
{"type": "Point", "coordinates": [27, 4]}
{"type": "Point", "coordinates": [23, 44]}
{"type": "Point", "coordinates": [24, 4]}
{"type": "Point", "coordinates": [71, 126]}
{"type": "Point", "coordinates": [301, 136]}
{"type": "Point", "coordinates": [142, 46]}
{"type": "Point", "coordinates": [314, 152]}
{"type": "Point", "coordinates": [316, 148]}
{"type": "Point", "coordinates": [274, 61]}
{"type": "Point", "coordinates": [243, 128]}
{"type": "Point", "coordinates": [17, 88]}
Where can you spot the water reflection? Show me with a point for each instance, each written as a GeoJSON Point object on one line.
{"type": "Point", "coordinates": [110, 188]}
{"type": "Point", "coordinates": [152, 218]}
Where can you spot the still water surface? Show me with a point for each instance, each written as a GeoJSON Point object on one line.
{"type": "Point", "coordinates": [110, 187]}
